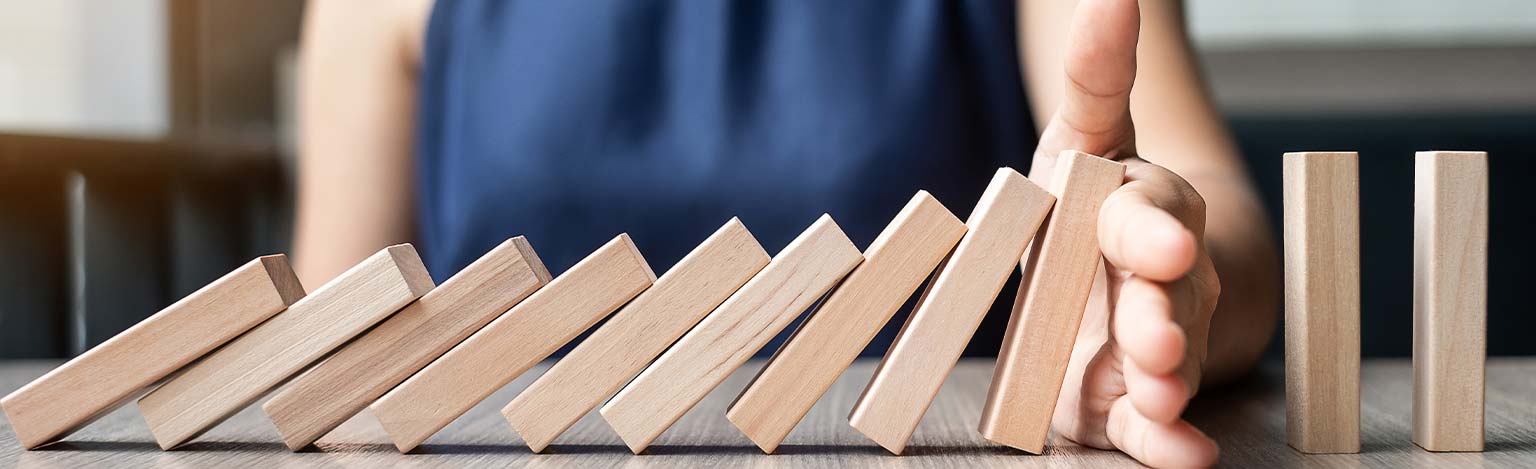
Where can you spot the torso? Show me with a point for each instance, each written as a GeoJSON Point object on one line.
{"type": "Point", "coordinates": [571, 122]}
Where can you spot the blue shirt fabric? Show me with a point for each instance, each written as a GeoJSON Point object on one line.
{"type": "Point", "coordinates": [573, 121]}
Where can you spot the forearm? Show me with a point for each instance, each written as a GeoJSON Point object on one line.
{"type": "Point", "coordinates": [1240, 244]}
{"type": "Point", "coordinates": [356, 106]}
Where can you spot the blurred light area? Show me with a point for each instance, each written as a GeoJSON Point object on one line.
{"type": "Point", "coordinates": [101, 68]}
{"type": "Point", "coordinates": [1248, 24]}
{"type": "Point", "coordinates": [84, 67]}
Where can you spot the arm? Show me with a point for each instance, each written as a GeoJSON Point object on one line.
{"type": "Point", "coordinates": [1177, 127]}
{"type": "Point", "coordinates": [356, 114]}
{"type": "Point", "coordinates": [1183, 227]}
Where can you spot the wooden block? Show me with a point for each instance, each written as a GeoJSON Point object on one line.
{"type": "Point", "coordinates": [1322, 302]}
{"type": "Point", "coordinates": [802, 370]}
{"type": "Point", "coordinates": [1450, 299]}
{"type": "Point", "coordinates": [634, 336]}
{"type": "Point", "coordinates": [336, 389]}
{"type": "Point", "coordinates": [1058, 274]}
{"type": "Point", "coordinates": [950, 310]}
{"type": "Point", "coordinates": [111, 374]}
{"type": "Point", "coordinates": [240, 372]}
{"type": "Point", "coordinates": [513, 342]}
{"type": "Point", "coordinates": [725, 339]}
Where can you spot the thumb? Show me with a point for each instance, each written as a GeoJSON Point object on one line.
{"type": "Point", "coordinates": [1100, 67]}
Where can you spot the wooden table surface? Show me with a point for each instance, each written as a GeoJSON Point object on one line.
{"type": "Point", "coordinates": [1247, 419]}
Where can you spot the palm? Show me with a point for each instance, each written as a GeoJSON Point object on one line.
{"type": "Point", "coordinates": [1138, 355]}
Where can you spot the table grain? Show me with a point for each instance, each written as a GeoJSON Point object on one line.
{"type": "Point", "coordinates": [1247, 418]}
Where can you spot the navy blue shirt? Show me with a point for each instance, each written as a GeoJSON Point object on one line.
{"type": "Point", "coordinates": [573, 121]}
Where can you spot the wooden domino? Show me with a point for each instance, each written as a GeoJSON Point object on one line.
{"type": "Point", "coordinates": [1322, 301]}
{"type": "Point", "coordinates": [838, 329]}
{"type": "Point", "coordinates": [1058, 276]}
{"type": "Point", "coordinates": [634, 336]}
{"type": "Point", "coordinates": [337, 388]}
{"type": "Point", "coordinates": [1450, 294]}
{"type": "Point", "coordinates": [724, 340]}
{"type": "Point", "coordinates": [950, 310]}
{"type": "Point", "coordinates": [110, 374]}
{"type": "Point", "coordinates": [240, 372]}
{"type": "Point", "coordinates": [512, 343]}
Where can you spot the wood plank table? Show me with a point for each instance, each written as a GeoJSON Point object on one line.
{"type": "Point", "coordinates": [1248, 420]}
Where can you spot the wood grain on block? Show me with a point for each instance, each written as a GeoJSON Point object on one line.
{"type": "Point", "coordinates": [950, 310]}
{"type": "Point", "coordinates": [1450, 299]}
{"type": "Point", "coordinates": [804, 368]}
{"type": "Point", "coordinates": [513, 342]}
{"type": "Point", "coordinates": [1322, 302]}
{"type": "Point", "coordinates": [724, 340]}
{"type": "Point", "coordinates": [240, 372]}
{"type": "Point", "coordinates": [344, 384]}
{"type": "Point", "coordinates": [634, 336]}
{"type": "Point", "coordinates": [1058, 274]}
{"type": "Point", "coordinates": [109, 375]}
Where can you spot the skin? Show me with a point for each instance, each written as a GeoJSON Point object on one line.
{"type": "Point", "coordinates": [1107, 77]}
{"type": "Point", "coordinates": [1157, 327]}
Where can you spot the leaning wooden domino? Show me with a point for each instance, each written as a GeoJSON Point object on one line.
{"type": "Point", "coordinates": [110, 374]}
{"type": "Point", "coordinates": [1058, 275]}
{"type": "Point", "coordinates": [950, 310]}
{"type": "Point", "coordinates": [1322, 302]}
{"type": "Point", "coordinates": [240, 372]}
{"type": "Point", "coordinates": [1450, 294]}
{"type": "Point", "coordinates": [725, 339]}
{"type": "Point", "coordinates": [337, 388]}
{"type": "Point", "coordinates": [618, 350]}
{"type": "Point", "coordinates": [512, 343]}
{"type": "Point", "coordinates": [838, 329]}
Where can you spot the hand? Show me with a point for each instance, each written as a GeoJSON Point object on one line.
{"type": "Point", "coordinates": [1138, 356]}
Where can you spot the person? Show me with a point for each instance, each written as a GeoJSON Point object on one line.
{"type": "Point", "coordinates": [460, 123]}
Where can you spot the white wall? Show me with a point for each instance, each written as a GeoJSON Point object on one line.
{"type": "Point", "coordinates": [1246, 24]}
{"type": "Point", "coordinates": [84, 67]}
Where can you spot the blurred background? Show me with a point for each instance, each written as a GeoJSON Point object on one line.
{"type": "Point", "coordinates": [146, 146]}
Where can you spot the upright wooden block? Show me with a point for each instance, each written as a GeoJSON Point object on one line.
{"type": "Point", "coordinates": [834, 334]}
{"type": "Point", "coordinates": [518, 339]}
{"type": "Point", "coordinates": [110, 374]}
{"type": "Point", "coordinates": [1322, 302]}
{"type": "Point", "coordinates": [336, 389]}
{"type": "Point", "coordinates": [240, 372]}
{"type": "Point", "coordinates": [1058, 275]}
{"type": "Point", "coordinates": [634, 336]}
{"type": "Point", "coordinates": [1450, 297]}
{"type": "Point", "coordinates": [725, 339]}
{"type": "Point", "coordinates": [950, 310]}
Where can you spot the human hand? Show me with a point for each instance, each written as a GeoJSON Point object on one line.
{"type": "Point", "coordinates": [1138, 356]}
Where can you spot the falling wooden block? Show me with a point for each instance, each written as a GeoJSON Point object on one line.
{"type": "Point", "coordinates": [1322, 302]}
{"type": "Point", "coordinates": [1058, 275]}
{"type": "Point", "coordinates": [111, 374]}
{"type": "Point", "coordinates": [950, 310]}
{"type": "Point", "coordinates": [725, 339]}
{"type": "Point", "coordinates": [1450, 296]}
{"type": "Point", "coordinates": [618, 350]}
{"type": "Point", "coordinates": [512, 343]}
{"type": "Point", "coordinates": [839, 328]}
{"type": "Point", "coordinates": [240, 372]}
{"type": "Point", "coordinates": [337, 388]}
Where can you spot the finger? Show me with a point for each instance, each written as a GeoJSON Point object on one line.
{"type": "Point", "coordinates": [1136, 235]}
{"type": "Point", "coordinates": [1176, 444]}
{"type": "Point", "coordinates": [1145, 327]}
{"type": "Point", "coordinates": [1100, 67]}
{"type": "Point", "coordinates": [1159, 398]}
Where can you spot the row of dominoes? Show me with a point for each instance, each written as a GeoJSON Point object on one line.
{"type": "Point", "coordinates": [1322, 300]}
{"type": "Point", "coordinates": [382, 336]}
